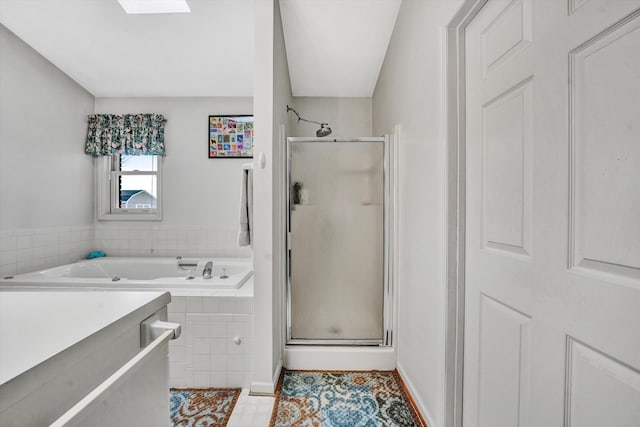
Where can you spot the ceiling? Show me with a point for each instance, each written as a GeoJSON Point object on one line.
{"type": "Point", "coordinates": [334, 47]}
{"type": "Point", "coordinates": [208, 52]}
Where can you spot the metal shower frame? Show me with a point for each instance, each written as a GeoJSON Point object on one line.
{"type": "Point", "coordinates": [387, 306]}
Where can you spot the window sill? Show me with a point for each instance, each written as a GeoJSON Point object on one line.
{"type": "Point", "coordinates": [130, 217]}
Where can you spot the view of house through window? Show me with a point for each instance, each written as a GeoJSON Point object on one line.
{"type": "Point", "coordinates": [135, 182]}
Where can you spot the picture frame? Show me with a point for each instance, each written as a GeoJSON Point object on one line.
{"type": "Point", "coordinates": [231, 136]}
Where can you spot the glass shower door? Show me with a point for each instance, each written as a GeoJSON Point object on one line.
{"type": "Point", "coordinates": [336, 241]}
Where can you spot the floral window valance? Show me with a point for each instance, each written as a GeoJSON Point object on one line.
{"type": "Point", "coordinates": [130, 134]}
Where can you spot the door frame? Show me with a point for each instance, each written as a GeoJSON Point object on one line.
{"type": "Point", "coordinates": [455, 115]}
{"type": "Point", "coordinates": [388, 246]}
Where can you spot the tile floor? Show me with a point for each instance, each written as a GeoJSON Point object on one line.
{"type": "Point", "coordinates": [251, 411]}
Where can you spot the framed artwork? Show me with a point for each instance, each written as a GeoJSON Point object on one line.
{"type": "Point", "coordinates": [230, 137]}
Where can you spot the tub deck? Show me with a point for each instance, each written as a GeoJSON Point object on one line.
{"type": "Point", "coordinates": [230, 277]}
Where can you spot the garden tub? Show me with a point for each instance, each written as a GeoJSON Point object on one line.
{"type": "Point", "coordinates": [140, 273]}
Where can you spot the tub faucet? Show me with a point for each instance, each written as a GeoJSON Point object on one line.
{"type": "Point", "coordinates": [207, 270]}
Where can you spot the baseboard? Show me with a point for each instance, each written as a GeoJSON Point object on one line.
{"type": "Point", "coordinates": [264, 388]}
{"type": "Point", "coordinates": [420, 406]}
{"type": "Point", "coordinates": [276, 373]}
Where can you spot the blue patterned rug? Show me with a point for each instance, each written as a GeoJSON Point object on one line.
{"type": "Point", "coordinates": [343, 399]}
{"type": "Point", "coordinates": [202, 407]}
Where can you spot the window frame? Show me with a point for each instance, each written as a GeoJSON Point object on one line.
{"type": "Point", "coordinates": [106, 190]}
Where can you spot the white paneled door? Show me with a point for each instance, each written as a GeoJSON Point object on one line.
{"type": "Point", "coordinates": [552, 317]}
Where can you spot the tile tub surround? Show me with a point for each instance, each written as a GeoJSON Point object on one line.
{"type": "Point", "coordinates": [145, 239]}
{"type": "Point", "coordinates": [206, 355]}
{"type": "Point", "coordinates": [26, 250]}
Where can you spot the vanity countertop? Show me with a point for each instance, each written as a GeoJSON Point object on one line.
{"type": "Point", "coordinates": [37, 325]}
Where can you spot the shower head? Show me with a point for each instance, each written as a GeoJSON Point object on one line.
{"type": "Point", "coordinates": [324, 127]}
{"type": "Point", "coordinates": [324, 130]}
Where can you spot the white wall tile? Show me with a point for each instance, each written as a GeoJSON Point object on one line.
{"type": "Point", "coordinates": [218, 363]}
{"type": "Point", "coordinates": [229, 305]}
{"type": "Point", "coordinates": [236, 363]}
{"type": "Point", "coordinates": [221, 317]}
{"type": "Point", "coordinates": [234, 329]}
{"type": "Point", "coordinates": [24, 255]}
{"type": "Point", "coordinates": [235, 379]}
{"type": "Point", "coordinates": [24, 242]}
{"type": "Point", "coordinates": [8, 243]}
{"type": "Point", "coordinates": [244, 305]}
{"type": "Point", "coordinates": [218, 346]}
{"type": "Point", "coordinates": [201, 362]}
{"type": "Point", "coordinates": [218, 329]}
{"type": "Point", "coordinates": [201, 378]}
{"type": "Point", "coordinates": [177, 305]}
{"type": "Point", "coordinates": [177, 369]}
{"type": "Point", "coordinates": [39, 252]}
{"type": "Point", "coordinates": [235, 349]}
{"type": "Point", "coordinates": [202, 346]}
{"type": "Point", "coordinates": [162, 240]}
{"type": "Point", "coordinates": [53, 238]}
{"type": "Point", "coordinates": [194, 304]}
{"type": "Point", "coordinates": [201, 330]}
{"type": "Point", "coordinates": [211, 305]}
{"type": "Point", "coordinates": [8, 257]}
{"type": "Point", "coordinates": [218, 379]}
{"type": "Point", "coordinates": [178, 353]}
{"type": "Point", "coordinates": [210, 347]}
{"type": "Point", "coordinates": [29, 250]}
{"type": "Point", "coordinates": [177, 317]}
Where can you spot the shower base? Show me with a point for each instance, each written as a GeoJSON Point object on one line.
{"type": "Point", "coordinates": [339, 358]}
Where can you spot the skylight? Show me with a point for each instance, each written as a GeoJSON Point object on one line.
{"type": "Point", "coordinates": [154, 6]}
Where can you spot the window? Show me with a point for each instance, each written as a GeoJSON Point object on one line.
{"type": "Point", "coordinates": [129, 187]}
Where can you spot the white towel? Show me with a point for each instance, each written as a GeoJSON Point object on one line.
{"type": "Point", "coordinates": [245, 235]}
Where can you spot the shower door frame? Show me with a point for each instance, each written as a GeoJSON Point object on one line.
{"type": "Point", "coordinates": [387, 299]}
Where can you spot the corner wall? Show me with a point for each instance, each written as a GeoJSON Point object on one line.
{"type": "Point", "coordinates": [281, 130]}
{"type": "Point", "coordinates": [46, 180]}
{"type": "Point", "coordinates": [410, 92]}
{"type": "Point", "coordinates": [272, 92]}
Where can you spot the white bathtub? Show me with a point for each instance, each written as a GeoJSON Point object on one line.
{"type": "Point", "coordinates": [140, 273]}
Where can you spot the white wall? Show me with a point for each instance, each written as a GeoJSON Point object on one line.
{"type": "Point", "coordinates": [281, 129]}
{"type": "Point", "coordinates": [46, 180]}
{"type": "Point", "coordinates": [347, 117]}
{"type": "Point", "coordinates": [410, 92]}
{"type": "Point", "coordinates": [272, 92]}
{"type": "Point", "coordinates": [201, 196]}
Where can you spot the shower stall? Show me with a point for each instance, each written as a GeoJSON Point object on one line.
{"type": "Point", "coordinates": [338, 222]}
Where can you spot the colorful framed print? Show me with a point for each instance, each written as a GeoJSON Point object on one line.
{"type": "Point", "coordinates": [231, 137]}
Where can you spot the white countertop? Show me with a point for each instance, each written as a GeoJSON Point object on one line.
{"type": "Point", "coordinates": [35, 326]}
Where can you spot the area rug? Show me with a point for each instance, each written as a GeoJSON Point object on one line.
{"type": "Point", "coordinates": [343, 399]}
{"type": "Point", "coordinates": [202, 407]}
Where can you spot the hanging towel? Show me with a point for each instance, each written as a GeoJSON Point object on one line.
{"type": "Point", "coordinates": [245, 235]}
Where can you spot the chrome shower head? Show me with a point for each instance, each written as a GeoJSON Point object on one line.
{"type": "Point", "coordinates": [323, 131]}
{"type": "Point", "coordinates": [324, 127]}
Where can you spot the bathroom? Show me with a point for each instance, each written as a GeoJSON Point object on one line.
{"type": "Point", "coordinates": [48, 214]}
